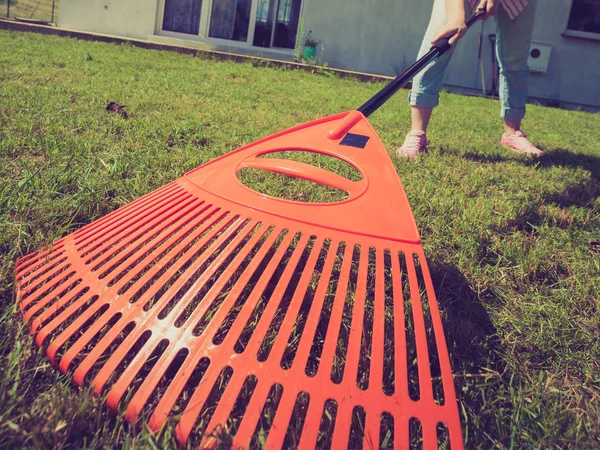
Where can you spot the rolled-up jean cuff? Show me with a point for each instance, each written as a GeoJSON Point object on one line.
{"type": "Point", "coordinates": [512, 113]}
{"type": "Point", "coordinates": [423, 99]}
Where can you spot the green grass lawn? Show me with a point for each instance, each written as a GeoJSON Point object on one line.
{"type": "Point", "coordinates": [507, 237]}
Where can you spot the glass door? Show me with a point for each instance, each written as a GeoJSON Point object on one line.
{"type": "Point", "coordinates": [276, 23]}
{"type": "Point", "coordinates": [182, 16]}
{"type": "Point", "coordinates": [286, 23]}
{"type": "Point", "coordinates": [263, 28]}
{"type": "Point", "coordinates": [260, 23]}
{"type": "Point", "coordinates": [230, 19]}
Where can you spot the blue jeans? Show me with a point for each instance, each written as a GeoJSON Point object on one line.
{"type": "Point", "coordinates": [513, 38]}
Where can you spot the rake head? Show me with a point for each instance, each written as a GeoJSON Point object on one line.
{"type": "Point", "coordinates": [254, 320]}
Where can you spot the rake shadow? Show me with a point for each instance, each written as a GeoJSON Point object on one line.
{"type": "Point", "coordinates": [480, 372]}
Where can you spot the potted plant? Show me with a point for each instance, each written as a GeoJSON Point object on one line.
{"type": "Point", "coordinates": [310, 46]}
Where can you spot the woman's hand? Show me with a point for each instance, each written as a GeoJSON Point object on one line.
{"type": "Point", "coordinates": [489, 6]}
{"type": "Point", "coordinates": [456, 27]}
{"type": "Point", "coordinates": [453, 30]}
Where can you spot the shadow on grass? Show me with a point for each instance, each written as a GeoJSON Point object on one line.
{"type": "Point", "coordinates": [485, 158]}
{"type": "Point", "coordinates": [581, 194]}
{"type": "Point", "coordinates": [480, 372]}
{"type": "Point", "coordinates": [558, 157]}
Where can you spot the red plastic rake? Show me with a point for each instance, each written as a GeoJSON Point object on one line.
{"type": "Point", "coordinates": [252, 320]}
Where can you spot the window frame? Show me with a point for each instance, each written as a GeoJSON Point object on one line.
{"type": "Point", "coordinates": [160, 18]}
{"type": "Point", "coordinates": [569, 33]}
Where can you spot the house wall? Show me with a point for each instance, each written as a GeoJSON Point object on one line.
{"type": "Point", "coordinates": [574, 69]}
{"type": "Point", "coordinates": [383, 37]}
{"type": "Point", "coordinates": [129, 18]}
{"type": "Point", "coordinates": [377, 36]}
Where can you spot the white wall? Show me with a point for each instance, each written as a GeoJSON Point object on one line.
{"type": "Point", "coordinates": [376, 36]}
{"type": "Point", "coordinates": [574, 69]}
{"type": "Point", "coordinates": [383, 37]}
{"type": "Point", "coordinates": [129, 18]}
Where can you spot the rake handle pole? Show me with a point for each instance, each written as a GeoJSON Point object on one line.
{"type": "Point", "coordinates": [438, 49]}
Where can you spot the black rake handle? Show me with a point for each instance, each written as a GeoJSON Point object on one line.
{"type": "Point", "coordinates": [438, 49]}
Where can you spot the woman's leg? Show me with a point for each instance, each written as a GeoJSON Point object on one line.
{"type": "Point", "coordinates": [426, 85]}
{"type": "Point", "coordinates": [512, 49]}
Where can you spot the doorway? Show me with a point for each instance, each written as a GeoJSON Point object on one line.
{"type": "Point", "coordinates": [248, 23]}
{"type": "Point", "coordinates": [276, 23]}
{"type": "Point", "coordinates": [230, 19]}
{"type": "Point", "coordinates": [182, 16]}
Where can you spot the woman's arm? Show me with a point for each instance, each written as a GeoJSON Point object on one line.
{"type": "Point", "coordinates": [490, 7]}
{"type": "Point", "coordinates": [455, 27]}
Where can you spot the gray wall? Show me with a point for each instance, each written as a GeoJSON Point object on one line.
{"type": "Point", "coordinates": [574, 69]}
{"type": "Point", "coordinates": [383, 37]}
{"type": "Point", "coordinates": [129, 18]}
{"type": "Point", "coordinates": [376, 36]}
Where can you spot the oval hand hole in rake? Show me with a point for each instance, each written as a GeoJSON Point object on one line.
{"type": "Point", "coordinates": [289, 187]}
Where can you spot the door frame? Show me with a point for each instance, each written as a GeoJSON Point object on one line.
{"type": "Point", "coordinates": [160, 17]}
{"type": "Point", "coordinates": [202, 36]}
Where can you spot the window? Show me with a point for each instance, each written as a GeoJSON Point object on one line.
{"type": "Point", "coordinates": [182, 16]}
{"type": "Point", "coordinates": [274, 24]}
{"type": "Point", "coordinates": [286, 26]}
{"type": "Point", "coordinates": [285, 10]}
{"type": "Point", "coordinates": [585, 16]}
{"type": "Point", "coordinates": [230, 19]}
{"type": "Point", "coordinates": [262, 11]}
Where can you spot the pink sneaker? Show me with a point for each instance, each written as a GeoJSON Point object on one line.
{"type": "Point", "coordinates": [414, 144]}
{"type": "Point", "coordinates": [519, 142]}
